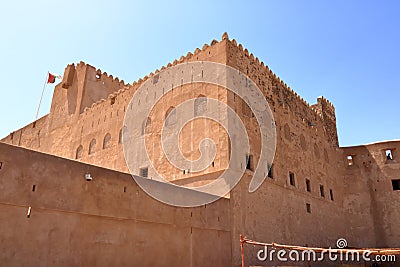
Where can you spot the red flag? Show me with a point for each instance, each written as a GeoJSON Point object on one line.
{"type": "Point", "coordinates": [52, 78]}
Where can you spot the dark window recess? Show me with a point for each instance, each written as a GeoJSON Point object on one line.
{"type": "Point", "coordinates": [144, 172]}
{"type": "Point", "coordinates": [389, 154]}
{"type": "Point", "coordinates": [331, 194]}
{"type": "Point", "coordinates": [270, 174]}
{"type": "Point", "coordinates": [308, 207]}
{"type": "Point", "coordinates": [396, 184]}
{"type": "Point", "coordinates": [124, 189]}
{"type": "Point", "coordinates": [291, 179]}
{"type": "Point", "coordinates": [212, 164]}
{"type": "Point", "coordinates": [322, 190]}
{"type": "Point", "coordinates": [33, 188]}
{"type": "Point", "coordinates": [249, 163]}
{"type": "Point", "coordinates": [1, 165]}
{"type": "Point", "coordinates": [308, 185]}
{"type": "Point", "coordinates": [120, 136]}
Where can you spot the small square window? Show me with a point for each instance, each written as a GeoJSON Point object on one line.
{"type": "Point", "coordinates": [396, 184]}
{"type": "Point", "coordinates": [292, 181]}
{"type": "Point", "coordinates": [308, 207]}
{"type": "Point", "coordinates": [322, 190]}
{"type": "Point", "coordinates": [350, 161]}
{"type": "Point", "coordinates": [308, 185]}
{"type": "Point", "coordinates": [389, 154]}
{"type": "Point", "coordinates": [144, 172]}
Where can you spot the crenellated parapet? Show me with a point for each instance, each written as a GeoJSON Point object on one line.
{"type": "Point", "coordinates": [99, 75]}
{"type": "Point", "coordinates": [84, 86]}
{"type": "Point", "coordinates": [275, 80]}
{"type": "Point", "coordinates": [276, 90]}
{"type": "Point", "coordinates": [326, 111]}
{"type": "Point", "coordinates": [324, 108]}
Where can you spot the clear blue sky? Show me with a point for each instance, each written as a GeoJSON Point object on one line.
{"type": "Point", "coordinates": [347, 51]}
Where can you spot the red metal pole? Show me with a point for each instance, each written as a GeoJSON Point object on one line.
{"type": "Point", "coordinates": [242, 248]}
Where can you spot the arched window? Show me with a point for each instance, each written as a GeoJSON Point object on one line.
{"type": "Point", "coordinates": [200, 105]}
{"type": "Point", "coordinates": [79, 151]}
{"type": "Point", "coordinates": [170, 116]}
{"type": "Point", "coordinates": [246, 109]}
{"type": "Point", "coordinates": [107, 141]}
{"type": "Point", "coordinates": [146, 126]}
{"type": "Point", "coordinates": [92, 146]}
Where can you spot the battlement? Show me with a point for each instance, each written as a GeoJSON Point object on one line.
{"type": "Point", "coordinates": [326, 104]}
{"type": "Point", "coordinates": [136, 84]}
{"type": "Point", "coordinates": [99, 75]}
{"type": "Point", "coordinates": [88, 87]}
{"type": "Point", "coordinates": [192, 56]}
{"type": "Point", "coordinates": [275, 79]}
{"type": "Point", "coordinates": [203, 54]}
{"type": "Point", "coordinates": [70, 70]}
{"type": "Point", "coordinates": [324, 108]}
{"type": "Point", "coordinates": [277, 92]}
{"type": "Point", "coordinates": [84, 85]}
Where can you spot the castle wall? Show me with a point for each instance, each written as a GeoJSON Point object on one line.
{"type": "Point", "coordinates": [306, 147]}
{"type": "Point", "coordinates": [103, 222]}
{"type": "Point", "coordinates": [189, 138]}
{"type": "Point", "coordinates": [369, 190]}
{"type": "Point", "coordinates": [31, 135]}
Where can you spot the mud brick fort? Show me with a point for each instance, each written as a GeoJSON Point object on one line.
{"type": "Point", "coordinates": [315, 193]}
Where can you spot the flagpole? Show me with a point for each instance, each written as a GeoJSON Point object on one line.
{"type": "Point", "coordinates": [41, 97]}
